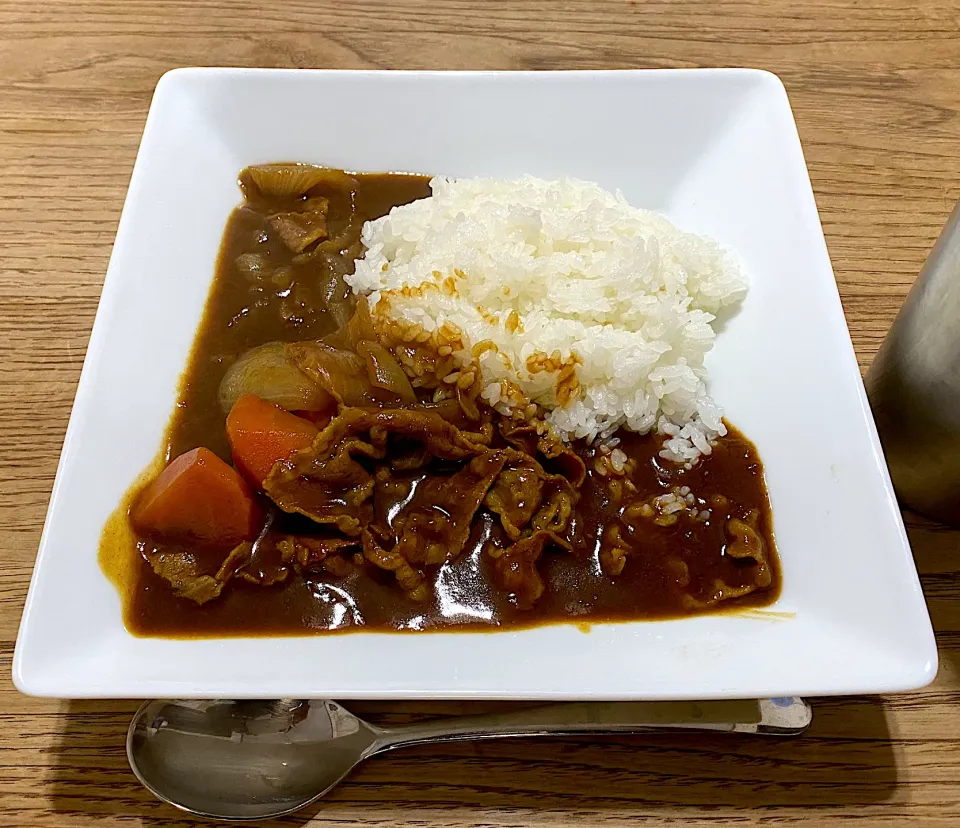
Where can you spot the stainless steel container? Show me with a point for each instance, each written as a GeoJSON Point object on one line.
{"type": "Point", "coordinates": [914, 385]}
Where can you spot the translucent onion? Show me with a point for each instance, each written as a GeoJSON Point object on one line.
{"type": "Point", "coordinates": [337, 298]}
{"type": "Point", "coordinates": [449, 409]}
{"type": "Point", "coordinates": [384, 371]}
{"type": "Point", "coordinates": [270, 373]}
{"type": "Point", "coordinates": [294, 180]}
{"type": "Point", "coordinates": [356, 329]}
{"type": "Point", "coordinates": [347, 377]}
{"type": "Point", "coordinates": [251, 266]}
{"type": "Point", "coordinates": [299, 230]}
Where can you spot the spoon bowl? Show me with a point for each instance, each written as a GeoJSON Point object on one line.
{"type": "Point", "coordinates": [244, 760]}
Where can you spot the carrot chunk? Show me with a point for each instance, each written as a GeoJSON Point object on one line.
{"type": "Point", "coordinates": [198, 497]}
{"type": "Point", "coordinates": [261, 434]}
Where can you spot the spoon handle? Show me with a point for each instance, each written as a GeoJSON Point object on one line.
{"type": "Point", "coordinates": [773, 717]}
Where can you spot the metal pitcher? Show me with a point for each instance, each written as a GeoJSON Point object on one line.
{"type": "Point", "coordinates": [914, 385]}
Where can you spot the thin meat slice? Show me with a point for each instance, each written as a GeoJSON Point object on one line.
{"type": "Point", "coordinates": [531, 438]}
{"type": "Point", "coordinates": [435, 526]}
{"type": "Point", "coordinates": [327, 486]}
{"type": "Point", "coordinates": [517, 494]}
{"type": "Point", "coordinates": [516, 566]}
{"type": "Point", "coordinates": [333, 482]}
{"type": "Point", "coordinates": [319, 553]}
{"type": "Point", "coordinates": [190, 576]}
{"type": "Point", "coordinates": [410, 580]}
{"type": "Point", "coordinates": [328, 482]}
{"type": "Point", "coordinates": [528, 499]}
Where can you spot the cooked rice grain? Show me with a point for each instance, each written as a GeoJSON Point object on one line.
{"type": "Point", "coordinates": [610, 305]}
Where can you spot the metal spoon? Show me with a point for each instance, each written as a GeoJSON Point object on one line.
{"type": "Point", "coordinates": [240, 760]}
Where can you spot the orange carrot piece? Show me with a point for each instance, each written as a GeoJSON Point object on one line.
{"type": "Point", "coordinates": [261, 434]}
{"type": "Point", "coordinates": [198, 497]}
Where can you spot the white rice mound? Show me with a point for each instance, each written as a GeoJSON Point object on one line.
{"type": "Point", "coordinates": [621, 291]}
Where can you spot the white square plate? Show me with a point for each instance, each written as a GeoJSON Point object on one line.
{"type": "Point", "coordinates": [718, 152]}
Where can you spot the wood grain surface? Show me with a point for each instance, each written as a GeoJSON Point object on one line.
{"type": "Point", "coordinates": [875, 85]}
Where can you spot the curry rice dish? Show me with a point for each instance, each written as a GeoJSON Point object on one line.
{"type": "Point", "coordinates": [342, 459]}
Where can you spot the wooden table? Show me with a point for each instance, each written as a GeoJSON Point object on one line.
{"type": "Point", "coordinates": [875, 85]}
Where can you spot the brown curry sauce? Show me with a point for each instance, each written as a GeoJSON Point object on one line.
{"type": "Point", "coordinates": [671, 570]}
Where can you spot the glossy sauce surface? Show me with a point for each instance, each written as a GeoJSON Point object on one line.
{"type": "Point", "coordinates": [670, 571]}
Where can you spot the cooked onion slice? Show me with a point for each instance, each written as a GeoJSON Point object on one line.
{"type": "Point", "coordinates": [385, 372]}
{"type": "Point", "coordinates": [268, 372]}
{"type": "Point", "coordinates": [293, 180]}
